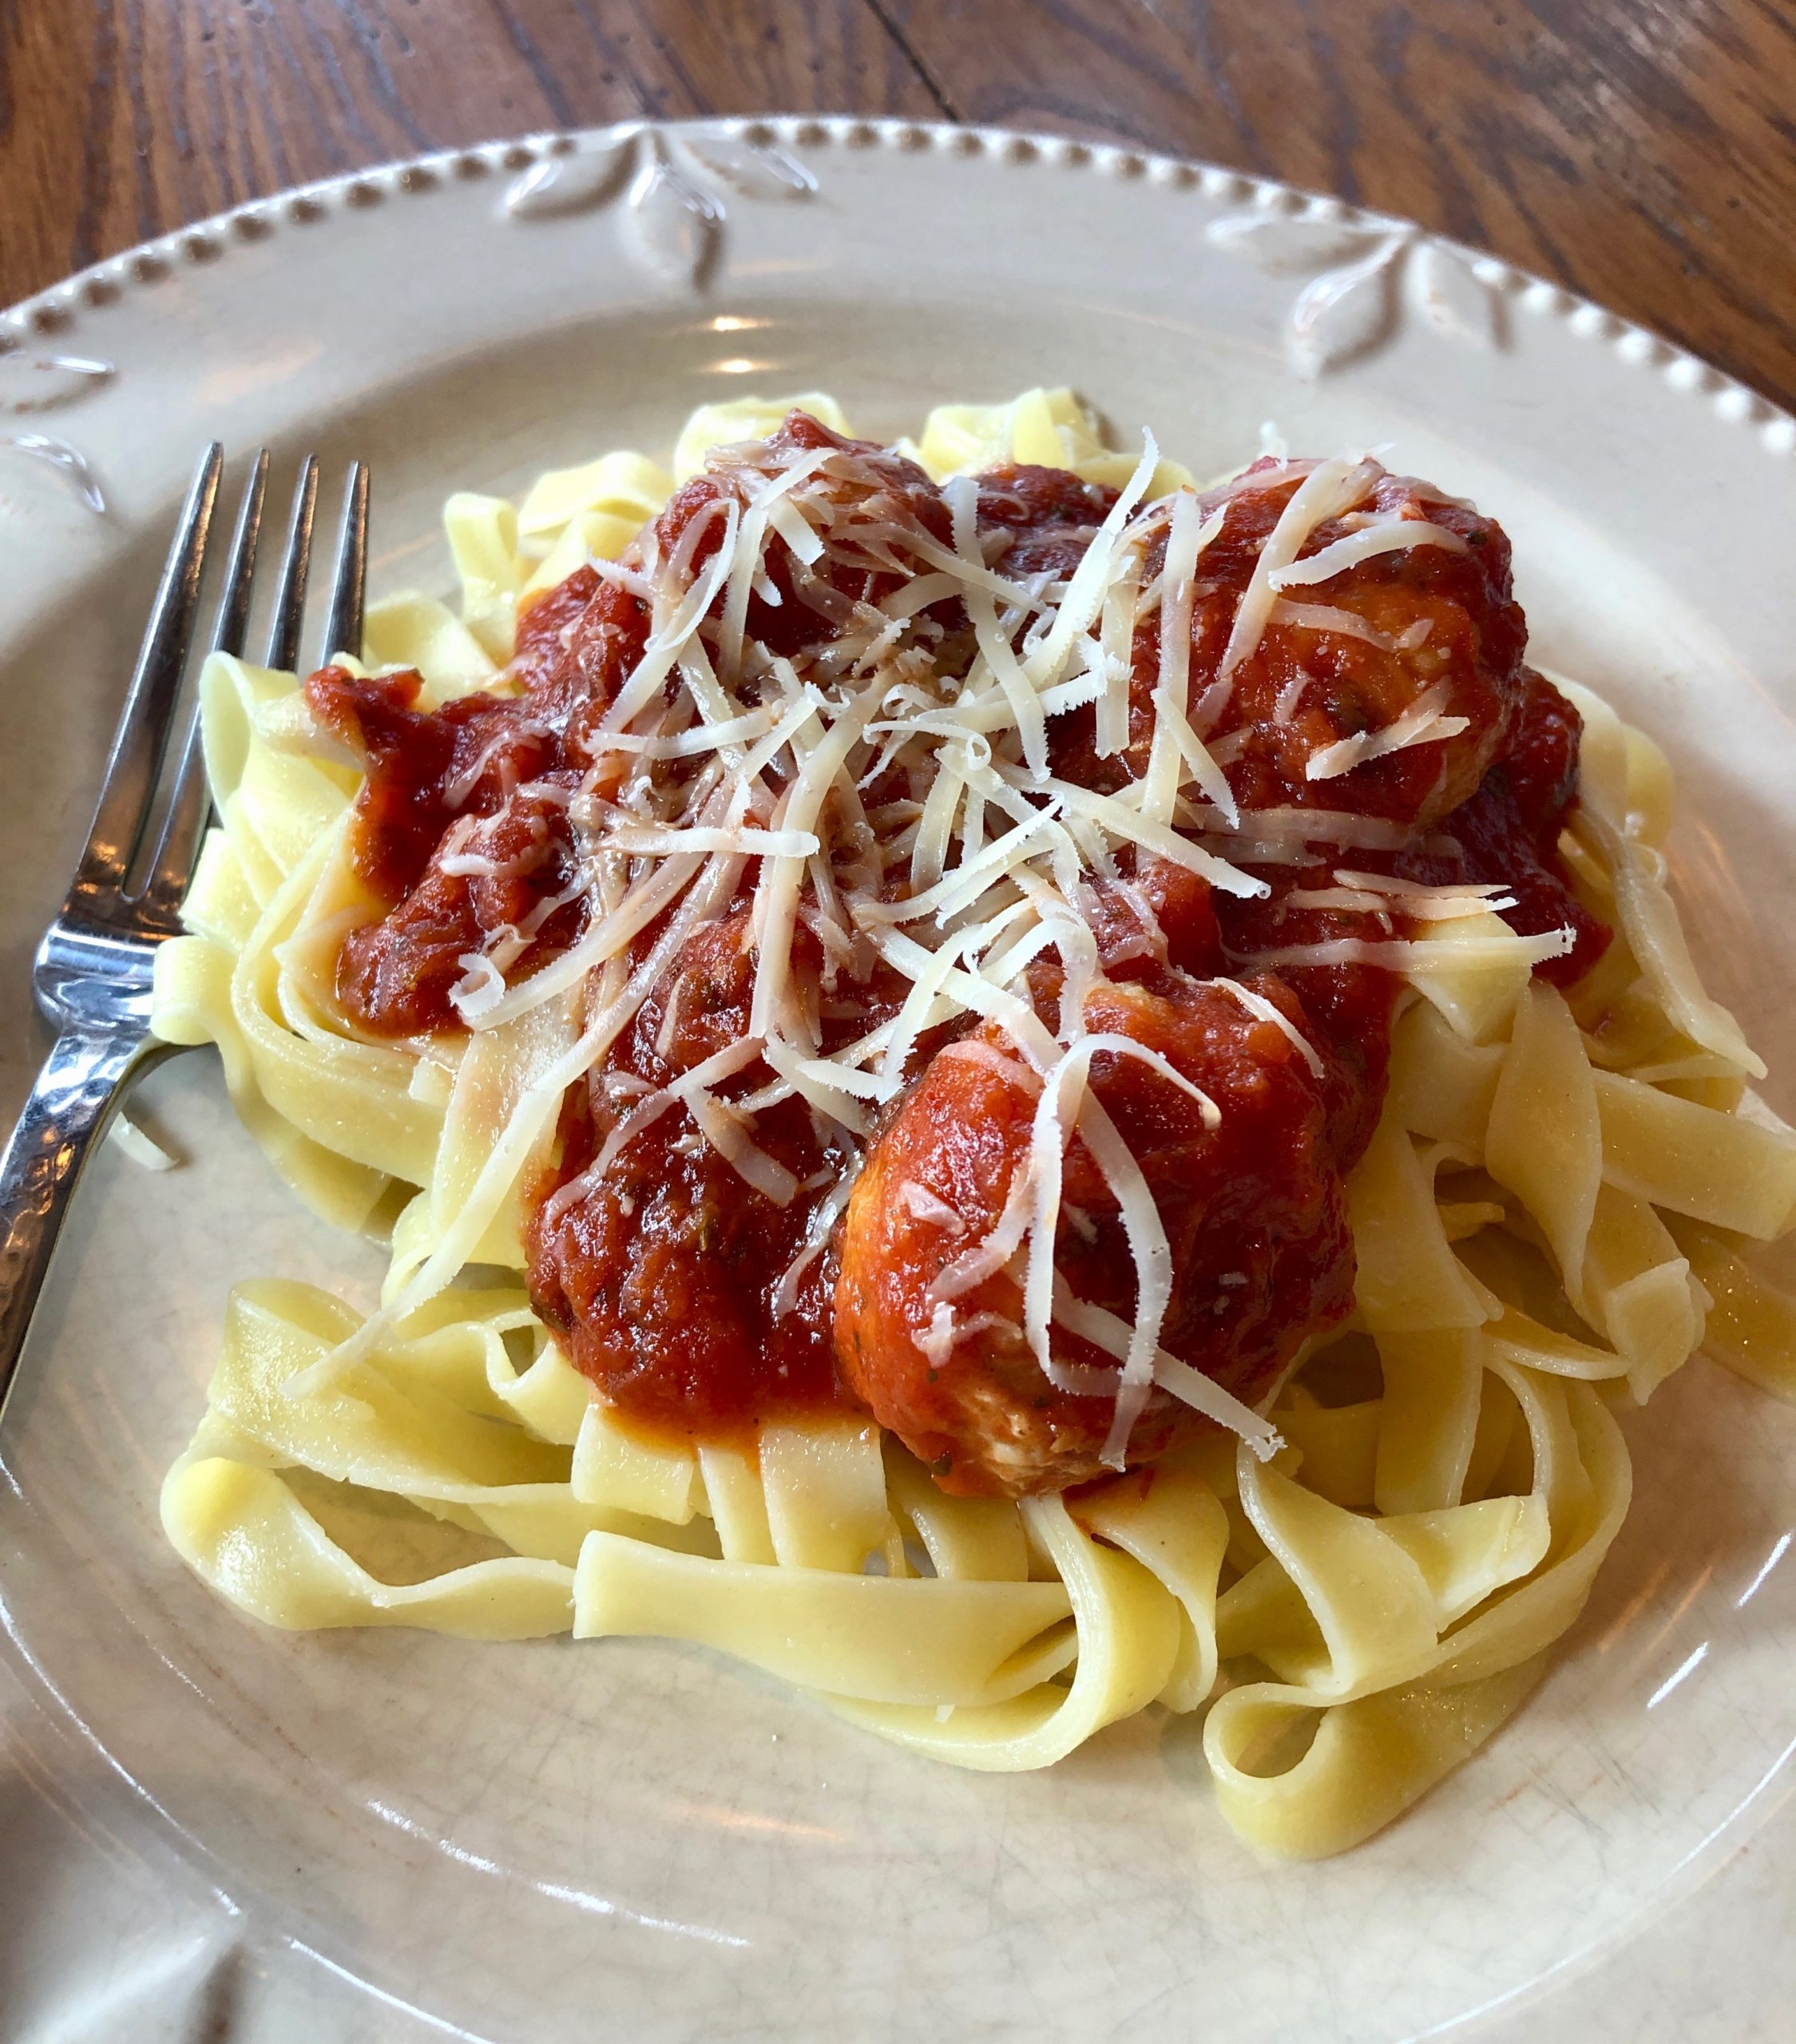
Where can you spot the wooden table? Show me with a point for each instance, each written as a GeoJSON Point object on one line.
{"type": "Point", "coordinates": [1642, 152]}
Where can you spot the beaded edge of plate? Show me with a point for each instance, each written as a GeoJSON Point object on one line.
{"type": "Point", "coordinates": [58, 312]}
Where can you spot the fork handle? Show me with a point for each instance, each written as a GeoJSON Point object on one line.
{"type": "Point", "coordinates": [68, 1108]}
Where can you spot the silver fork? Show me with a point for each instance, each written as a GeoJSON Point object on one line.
{"type": "Point", "coordinates": [92, 976]}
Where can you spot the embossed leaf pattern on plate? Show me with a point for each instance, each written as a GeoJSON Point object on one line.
{"type": "Point", "coordinates": [672, 224]}
{"type": "Point", "coordinates": [1285, 246]}
{"type": "Point", "coordinates": [32, 383]}
{"type": "Point", "coordinates": [60, 455]}
{"type": "Point", "coordinates": [573, 183]}
{"type": "Point", "coordinates": [675, 192]}
{"type": "Point", "coordinates": [756, 169]}
{"type": "Point", "coordinates": [1451, 293]}
{"type": "Point", "coordinates": [1346, 311]}
{"type": "Point", "coordinates": [1362, 276]}
{"type": "Point", "coordinates": [42, 382]}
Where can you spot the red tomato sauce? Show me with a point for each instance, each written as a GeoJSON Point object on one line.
{"type": "Point", "coordinates": [1249, 1194]}
{"type": "Point", "coordinates": [660, 1278]}
{"type": "Point", "coordinates": [703, 1305]}
{"type": "Point", "coordinates": [449, 848]}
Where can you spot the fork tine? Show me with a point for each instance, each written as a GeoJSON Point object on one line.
{"type": "Point", "coordinates": [290, 592]}
{"type": "Point", "coordinates": [246, 538]}
{"type": "Point", "coordinates": [343, 629]}
{"type": "Point", "coordinates": [173, 867]}
{"type": "Point", "coordinates": [142, 736]}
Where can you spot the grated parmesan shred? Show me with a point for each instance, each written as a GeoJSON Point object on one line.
{"type": "Point", "coordinates": [898, 813]}
{"type": "Point", "coordinates": [1329, 489]}
{"type": "Point", "coordinates": [1422, 723]}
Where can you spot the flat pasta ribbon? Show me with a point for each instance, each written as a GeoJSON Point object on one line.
{"type": "Point", "coordinates": [1555, 1210]}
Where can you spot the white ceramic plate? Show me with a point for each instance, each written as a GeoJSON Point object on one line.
{"type": "Point", "coordinates": [226, 1831]}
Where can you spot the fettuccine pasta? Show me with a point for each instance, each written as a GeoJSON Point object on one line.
{"type": "Point", "coordinates": [1353, 1545]}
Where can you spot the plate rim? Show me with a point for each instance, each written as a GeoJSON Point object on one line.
{"type": "Point", "coordinates": [55, 312]}
{"type": "Point", "coordinates": [60, 311]}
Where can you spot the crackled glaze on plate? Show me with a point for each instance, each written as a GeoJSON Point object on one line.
{"type": "Point", "coordinates": [239, 1834]}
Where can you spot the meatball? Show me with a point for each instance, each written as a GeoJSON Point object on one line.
{"type": "Point", "coordinates": [1035, 524]}
{"type": "Point", "coordinates": [1154, 915]}
{"type": "Point", "coordinates": [662, 1277]}
{"type": "Point", "coordinates": [1508, 833]}
{"type": "Point", "coordinates": [1039, 521]}
{"type": "Point", "coordinates": [1437, 620]}
{"type": "Point", "coordinates": [575, 644]}
{"type": "Point", "coordinates": [876, 505]}
{"type": "Point", "coordinates": [1348, 1007]}
{"type": "Point", "coordinates": [1253, 1208]}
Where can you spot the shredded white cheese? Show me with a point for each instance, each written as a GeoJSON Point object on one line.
{"type": "Point", "coordinates": [1387, 536]}
{"type": "Point", "coordinates": [1422, 723]}
{"type": "Point", "coordinates": [884, 802]}
{"type": "Point", "coordinates": [1329, 489]}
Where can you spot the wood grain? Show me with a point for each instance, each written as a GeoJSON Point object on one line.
{"type": "Point", "coordinates": [1643, 151]}
{"type": "Point", "coordinates": [1639, 151]}
{"type": "Point", "coordinates": [123, 118]}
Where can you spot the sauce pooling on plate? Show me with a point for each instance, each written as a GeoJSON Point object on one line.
{"type": "Point", "coordinates": [713, 1244]}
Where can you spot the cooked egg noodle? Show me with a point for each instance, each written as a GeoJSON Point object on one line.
{"type": "Point", "coordinates": [1553, 1214]}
